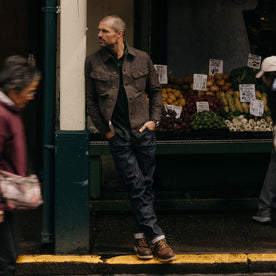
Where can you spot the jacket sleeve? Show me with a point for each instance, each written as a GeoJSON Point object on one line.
{"type": "Point", "coordinates": [154, 93]}
{"type": "Point", "coordinates": [2, 140]}
{"type": "Point", "coordinates": [3, 134]}
{"type": "Point", "coordinates": [92, 107]}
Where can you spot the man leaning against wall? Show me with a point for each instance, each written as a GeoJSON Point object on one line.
{"type": "Point", "coordinates": [117, 79]}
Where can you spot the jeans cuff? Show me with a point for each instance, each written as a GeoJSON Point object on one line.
{"type": "Point", "coordinates": [157, 239]}
{"type": "Point", "coordinates": [139, 235]}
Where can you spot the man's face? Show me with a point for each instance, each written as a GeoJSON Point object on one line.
{"type": "Point", "coordinates": [108, 37]}
{"type": "Point", "coordinates": [267, 81]}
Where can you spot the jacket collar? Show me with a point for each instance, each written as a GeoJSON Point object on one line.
{"type": "Point", "coordinates": [7, 102]}
{"type": "Point", "coordinates": [107, 55]}
{"type": "Point", "coordinates": [5, 99]}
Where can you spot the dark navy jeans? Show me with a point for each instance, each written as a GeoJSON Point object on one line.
{"type": "Point", "coordinates": [135, 162]}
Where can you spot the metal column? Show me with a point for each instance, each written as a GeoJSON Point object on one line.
{"type": "Point", "coordinates": [47, 234]}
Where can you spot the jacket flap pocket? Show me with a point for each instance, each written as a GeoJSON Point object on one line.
{"type": "Point", "coordinates": [99, 76]}
{"type": "Point", "coordinates": [140, 73]}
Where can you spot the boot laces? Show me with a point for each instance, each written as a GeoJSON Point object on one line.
{"type": "Point", "coordinates": [162, 244]}
{"type": "Point", "coordinates": [143, 242]}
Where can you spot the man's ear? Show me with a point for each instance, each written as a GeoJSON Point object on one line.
{"type": "Point", "coordinates": [121, 33]}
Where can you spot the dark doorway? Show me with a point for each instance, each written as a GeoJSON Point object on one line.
{"type": "Point", "coordinates": [21, 34]}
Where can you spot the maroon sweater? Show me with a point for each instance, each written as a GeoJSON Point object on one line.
{"type": "Point", "coordinates": [12, 140]}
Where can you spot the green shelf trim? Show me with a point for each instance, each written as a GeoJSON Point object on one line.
{"type": "Point", "coordinates": [197, 147]}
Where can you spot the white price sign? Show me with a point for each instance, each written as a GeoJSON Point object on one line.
{"type": "Point", "coordinates": [215, 66]}
{"type": "Point", "coordinates": [247, 92]}
{"type": "Point", "coordinates": [200, 82]}
{"type": "Point", "coordinates": [202, 106]}
{"type": "Point", "coordinates": [257, 108]}
{"type": "Point", "coordinates": [162, 73]}
{"type": "Point", "coordinates": [254, 61]}
{"type": "Point", "coordinates": [177, 109]}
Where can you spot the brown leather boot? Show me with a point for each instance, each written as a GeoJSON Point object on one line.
{"type": "Point", "coordinates": [162, 251]}
{"type": "Point", "coordinates": [143, 250]}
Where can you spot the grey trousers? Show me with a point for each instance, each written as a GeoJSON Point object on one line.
{"type": "Point", "coordinates": [267, 200]}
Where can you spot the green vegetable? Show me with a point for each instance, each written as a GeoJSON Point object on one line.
{"type": "Point", "coordinates": [245, 75]}
{"type": "Point", "coordinates": [207, 120]}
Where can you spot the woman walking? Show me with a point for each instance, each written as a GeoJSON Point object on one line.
{"type": "Point", "coordinates": [18, 83]}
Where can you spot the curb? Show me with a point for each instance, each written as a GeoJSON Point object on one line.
{"type": "Point", "coordinates": [129, 264]}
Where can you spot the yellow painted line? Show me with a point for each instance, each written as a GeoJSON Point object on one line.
{"type": "Point", "coordinates": [262, 257]}
{"type": "Point", "coordinates": [59, 259]}
{"type": "Point", "coordinates": [133, 260]}
{"type": "Point", "coordinates": [180, 259]}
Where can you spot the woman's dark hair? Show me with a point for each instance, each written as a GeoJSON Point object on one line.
{"type": "Point", "coordinates": [18, 73]}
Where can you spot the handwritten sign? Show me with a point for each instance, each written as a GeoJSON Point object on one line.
{"type": "Point", "coordinates": [254, 61]}
{"type": "Point", "coordinates": [215, 66]}
{"type": "Point", "coordinates": [200, 82]}
{"type": "Point", "coordinates": [247, 92]}
{"type": "Point", "coordinates": [257, 108]}
{"type": "Point", "coordinates": [162, 73]}
{"type": "Point", "coordinates": [202, 106]}
{"type": "Point", "coordinates": [177, 109]}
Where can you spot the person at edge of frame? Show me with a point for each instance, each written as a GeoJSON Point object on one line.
{"type": "Point", "coordinates": [267, 199]}
{"type": "Point", "coordinates": [117, 79]}
{"type": "Point", "coordinates": [18, 83]}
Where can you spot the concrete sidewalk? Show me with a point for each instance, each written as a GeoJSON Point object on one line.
{"type": "Point", "coordinates": [205, 242]}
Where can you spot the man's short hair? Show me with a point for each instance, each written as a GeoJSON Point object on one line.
{"type": "Point", "coordinates": [118, 22]}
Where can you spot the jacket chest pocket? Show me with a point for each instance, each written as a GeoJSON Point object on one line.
{"type": "Point", "coordinates": [102, 82]}
{"type": "Point", "coordinates": [139, 78]}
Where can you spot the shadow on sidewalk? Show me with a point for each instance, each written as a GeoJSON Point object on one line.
{"type": "Point", "coordinates": [187, 232]}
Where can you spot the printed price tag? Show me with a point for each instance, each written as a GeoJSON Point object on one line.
{"type": "Point", "coordinates": [247, 92]}
{"type": "Point", "coordinates": [162, 73]}
{"type": "Point", "coordinates": [257, 108]}
{"type": "Point", "coordinates": [254, 61]}
{"type": "Point", "coordinates": [177, 109]}
{"type": "Point", "coordinates": [200, 82]}
{"type": "Point", "coordinates": [202, 106]}
{"type": "Point", "coordinates": [215, 66]}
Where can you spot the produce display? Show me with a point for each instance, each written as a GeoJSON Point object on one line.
{"type": "Point", "coordinates": [215, 104]}
{"type": "Point", "coordinates": [225, 109]}
{"type": "Point", "coordinates": [241, 123]}
{"type": "Point", "coordinates": [172, 97]}
{"type": "Point", "coordinates": [207, 120]}
{"type": "Point", "coordinates": [245, 75]}
{"type": "Point", "coordinates": [169, 122]}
